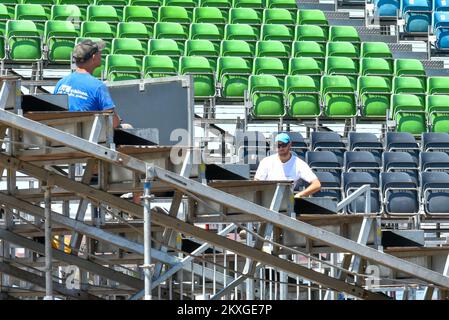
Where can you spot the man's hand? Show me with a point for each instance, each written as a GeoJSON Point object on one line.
{"type": "Point", "coordinates": [298, 195]}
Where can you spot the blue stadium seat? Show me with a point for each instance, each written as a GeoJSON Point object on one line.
{"type": "Point", "coordinates": [435, 141]}
{"type": "Point", "coordinates": [354, 180]}
{"type": "Point", "coordinates": [433, 161]}
{"type": "Point", "coordinates": [400, 161]}
{"type": "Point", "coordinates": [441, 29]}
{"type": "Point", "coordinates": [329, 141]}
{"type": "Point", "coordinates": [323, 161]}
{"type": "Point", "coordinates": [399, 193]}
{"type": "Point", "coordinates": [401, 141]}
{"type": "Point", "coordinates": [330, 185]}
{"type": "Point", "coordinates": [387, 8]}
{"type": "Point", "coordinates": [435, 192]}
{"type": "Point", "coordinates": [360, 161]}
{"type": "Point", "coordinates": [440, 5]}
{"type": "Point", "coordinates": [417, 15]}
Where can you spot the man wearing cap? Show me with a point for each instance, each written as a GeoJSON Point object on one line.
{"type": "Point", "coordinates": [285, 165]}
{"type": "Point", "coordinates": [87, 93]}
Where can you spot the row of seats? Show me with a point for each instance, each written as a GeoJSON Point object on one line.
{"type": "Point", "coordinates": [392, 193]}
{"type": "Point", "coordinates": [109, 13]}
{"type": "Point", "coordinates": [420, 16]}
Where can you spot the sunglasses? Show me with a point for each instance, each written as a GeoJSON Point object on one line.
{"type": "Point", "coordinates": [282, 145]}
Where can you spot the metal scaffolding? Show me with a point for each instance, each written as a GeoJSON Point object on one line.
{"type": "Point", "coordinates": [140, 249]}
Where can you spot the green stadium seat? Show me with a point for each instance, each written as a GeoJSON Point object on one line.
{"type": "Point", "coordinates": [237, 48]}
{"type": "Point", "coordinates": [276, 32]}
{"type": "Point", "coordinates": [233, 74]}
{"type": "Point", "coordinates": [117, 4]}
{"type": "Point", "coordinates": [24, 41]}
{"type": "Point", "coordinates": [374, 96]}
{"type": "Point", "coordinates": [437, 108]}
{"type": "Point", "coordinates": [33, 12]}
{"type": "Point", "coordinates": [309, 49]}
{"type": "Point", "coordinates": [266, 96]}
{"type": "Point", "coordinates": [246, 16]}
{"type": "Point", "coordinates": [189, 4]}
{"type": "Point", "coordinates": [158, 67]}
{"type": "Point", "coordinates": [344, 33]}
{"type": "Point", "coordinates": [338, 97]}
{"type": "Point", "coordinates": [305, 66]}
{"type": "Point", "coordinates": [375, 50]}
{"type": "Point", "coordinates": [140, 14]}
{"type": "Point", "coordinates": [60, 39]}
{"type": "Point", "coordinates": [152, 4]}
{"type": "Point", "coordinates": [122, 67]}
{"type": "Point", "coordinates": [341, 49]}
{"type": "Point", "coordinates": [241, 32]}
{"type": "Point", "coordinates": [258, 5]}
{"type": "Point", "coordinates": [410, 68]}
{"type": "Point", "coordinates": [204, 48]}
{"type": "Point", "coordinates": [206, 31]}
{"type": "Point", "coordinates": [175, 14]}
{"type": "Point", "coordinates": [272, 48]}
{"type": "Point", "coordinates": [376, 67]}
{"type": "Point", "coordinates": [278, 16]}
{"type": "Point", "coordinates": [171, 30]}
{"type": "Point", "coordinates": [98, 29]}
{"type": "Point", "coordinates": [303, 96]}
{"type": "Point", "coordinates": [47, 4]}
{"type": "Point", "coordinates": [5, 15]}
{"type": "Point", "coordinates": [408, 85]}
{"type": "Point", "coordinates": [224, 4]}
{"type": "Point", "coordinates": [203, 75]}
{"type": "Point", "coordinates": [438, 85]}
{"type": "Point", "coordinates": [210, 15]}
{"type": "Point", "coordinates": [67, 12]}
{"type": "Point", "coordinates": [165, 47]}
{"type": "Point", "coordinates": [272, 66]}
{"type": "Point", "coordinates": [286, 4]}
{"type": "Point", "coordinates": [135, 30]}
{"type": "Point", "coordinates": [310, 33]}
{"type": "Point", "coordinates": [342, 66]}
{"type": "Point", "coordinates": [409, 113]}
{"type": "Point", "coordinates": [129, 46]}
{"type": "Point", "coordinates": [10, 6]}
{"type": "Point", "coordinates": [311, 16]}
{"type": "Point", "coordinates": [98, 72]}
{"type": "Point", "coordinates": [104, 13]}
{"type": "Point", "coordinates": [81, 4]}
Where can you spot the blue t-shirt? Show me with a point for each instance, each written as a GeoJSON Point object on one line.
{"type": "Point", "coordinates": [86, 93]}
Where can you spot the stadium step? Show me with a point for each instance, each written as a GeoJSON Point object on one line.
{"type": "Point", "coordinates": [373, 35]}
{"type": "Point", "coordinates": [342, 19]}
{"type": "Point", "coordinates": [405, 51]}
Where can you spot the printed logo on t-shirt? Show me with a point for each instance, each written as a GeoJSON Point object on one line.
{"type": "Point", "coordinates": [68, 90]}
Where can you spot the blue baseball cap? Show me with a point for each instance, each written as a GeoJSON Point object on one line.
{"type": "Point", "coordinates": [282, 137]}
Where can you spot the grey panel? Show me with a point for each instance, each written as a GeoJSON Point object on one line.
{"type": "Point", "coordinates": [162, 105]}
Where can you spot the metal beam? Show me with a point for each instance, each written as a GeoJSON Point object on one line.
{"type": "Point", "coordinates": [176, 224]}
{"type": "Point", "coordinates": [87, 265]}
{"type": "Point", "coordinates": [92, 232]}
{"type": "Point", "coordinates": [40, 282]}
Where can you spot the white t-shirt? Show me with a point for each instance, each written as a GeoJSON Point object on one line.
{"type": "Point", "coordinates": [272, 168]}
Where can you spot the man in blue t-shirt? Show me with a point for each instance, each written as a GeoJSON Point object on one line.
{"type": "Point", "coordinates": [87, 93]}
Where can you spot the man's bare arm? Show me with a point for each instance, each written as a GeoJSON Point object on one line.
{"type": "Point", "coordinates": [314, 186]}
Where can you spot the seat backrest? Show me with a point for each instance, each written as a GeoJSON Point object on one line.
{"type": "Point", "coordinates": [357, 179]}
{"type": "Point", "coordinates": [157, 65]}
{"type": "Point", "coordinates": [363, 141]}
{"type": "Point", "coordinates": [167, 47]}
{"type": "Point", "coordinates": [276, 32]}
{"type": "Point", "coordinates": [367, 84]}
{"type": "Point", "coordinates": [68, 12]}
{"type": "Point", "coordinates": [135, 30]}
{"type": "Point", "coordinates": [174, 14]}
{"type": "Point", "coordinates": [304, 66]}
{"type": "Point", "coordinates": [310, 33]}
{"type": "Point", "coordinates": [102, 13]}
{"type": "Point", "coordinates": [333, 84]}
{"type": "Point", "coordinates": [240, 32]}
{"type": "Point", "coordinates": [340, 65]}
{"type": "Point", "coordinates": [300, 83]}
{"type": "Point", "coordinates": [206, 31]}
{"type": "Point", "coordinates": [431, 161]}
{"type": "Point", "coordinates": [98, 29]}
{"type": "Point", "coordinates": [360, 160]}
{"type": "Point", "coordinates": [438, 85]}
{"type": "Point", "coordinates": [35, 12]}
{"type": "Point", "coordinates": [271, 48]}
{"type": "Point", "coordinates": [264, 82]}
{"type": "Point", "coordinates": [435, 180]}
{"type": "Point", "coordinates": [312, 16]}
{"type": "Point", "coordinates": [308, 49]}
{"type": "Point", "coordinates": [55, 28]}
{"type": "Point", "coordinates": [375, 50]}
{"type": "Point", "coordinates": [138, 14]}
{"type": "Point", "coordinates": [323, 160]}
{"type": "Point", "coordinates": [194, 64]}
{"type": "Point", "coordinates": [245, 16]}
{"type": "Point", "coordinates": [397, 180]}
{"type": "Point", "coordinates": [408, 67]}
{"type": "Point", "coordinates": [408, 85]}
{"type": "Point", "coordinates": [432, 141]}
{"type": "Point", "coordinates": [232, 65]}
{"type": "Point", "coordinates": [341, 49]}
{"type": "Point", "coordinates": [343, 33]}
{"type": "Point", "coordinates": [400, 140]}
{"type": "Point", "coordinates": [394, 161]}
{"type": "Point", "coordinates": [238, 48]}
{"type": "Point", "coordinates": [269, 65]}
{"type": "Point", "coordinates": [128, 46]}
{"type": "Point", "coordinates": [170, 30]}
{"type": "Point", "coordinates": [278, 16]}
{"type": "Point", "coordinates": [209, 15]}
{"type": "Point", "coordinates": [325, 139]}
